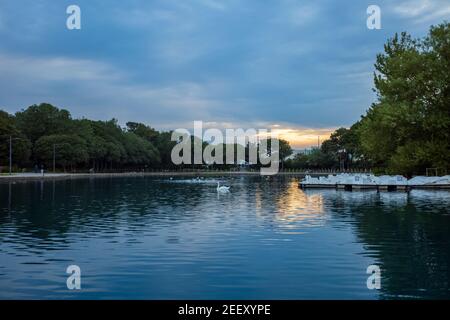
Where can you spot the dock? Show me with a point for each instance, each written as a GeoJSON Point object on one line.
{"type": "Point", "coordinates": [357, 182]}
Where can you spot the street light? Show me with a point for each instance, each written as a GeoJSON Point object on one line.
{"type": "Point", "coordinates": [10, 151]}
{"type": "Point", "coordinates": [10, 155]}
{"type": "Point", "coordinates": [54, 157]}
{"type": "Point", "coordinates": [341, 159]}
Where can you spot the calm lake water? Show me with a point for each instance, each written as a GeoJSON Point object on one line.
{"type": "Point", "coordinates": [155, 238]}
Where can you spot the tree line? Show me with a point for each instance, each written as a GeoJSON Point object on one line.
{"type": "Point", "coordinates": [407, 129]}
{"type": "Point", "coordinates": [44, 135]}
{"type": "Point", "coordinates": [44, 132]}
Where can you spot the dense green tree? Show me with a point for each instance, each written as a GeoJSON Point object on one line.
{"type": "Point", "coordinates": [155, 143]}
{"type": "Point", "coordinates": [143, 131]}
{"type": "Point", "coordinates": [69, 150]}
{"type": "Point", "coordinates": [21, 146]}
{"type": "Point", "coordinates": [164, 145]}
{"type": "Point", "coordinates": [408, 129]}
{"type": "Point", "coordinates": [81, 143]}
{"type": "Point", "coordinates": [285, 151]}
{"type": "Point", "coordinates": [40, 120]}
{"type": "Point", "coordinates": [139, 151]}
{"type": "Point", "coordinates": [110, 139]}
{"type": "Point", "coordinates": [96, 145]}
{"type": "Point", "coordinates": [343, 150]}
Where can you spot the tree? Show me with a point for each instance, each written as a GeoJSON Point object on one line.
{"type": "Point", "coordinates": [164, 145]}
{"type": "Point", "coordinates": [150, 139]}
{"type": "Point", "coordinates": [285, 151]}
{"type": "Point", "coordinates": [21, 145]}
{"type": "Point", "coordinates": [143, 131]}
{"type": "Point", "coordinates": [39, 120]}
{"type": "Point", "coordinates": [343, 148]}
{"type": "Point", "coordinates": [139, 151]}
{"type": "Point", "coordinates": [109, 137]}
{"type": "Point", "coordinates": [408, 128]}
{"type": "Point", "coordinates": [70, 150]}
{"type": "Point", "coordinates": [96, 145]}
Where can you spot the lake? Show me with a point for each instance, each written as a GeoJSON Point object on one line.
{"type": "Point", "coordinates": [156, 238]}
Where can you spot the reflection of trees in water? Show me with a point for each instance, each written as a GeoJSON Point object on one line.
{"type": "Point", "coordinates": [408, 233]}
{"type": "Point", "coordinates": [48, 211]}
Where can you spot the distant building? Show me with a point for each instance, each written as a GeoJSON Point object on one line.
{"type": "Point", "coordinates": [308, 151]}
{"type": "Point", "coordinates": [305, 151]}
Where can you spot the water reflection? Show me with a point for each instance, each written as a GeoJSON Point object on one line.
{"type": "Point", "coordinates": [407, 233]}
{"type": "Point", "coordinates": [296, 206]}
{"type": "Point", "coordinates": [266, 239]}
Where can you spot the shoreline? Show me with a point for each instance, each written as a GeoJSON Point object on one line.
{"type": "Point", "coordinates": [69, 176]}
{"type": "Point", "coordinates": [34, 177]}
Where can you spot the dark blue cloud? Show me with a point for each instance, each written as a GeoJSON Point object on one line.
{"type": "Point", "coordinates": [169, 62]}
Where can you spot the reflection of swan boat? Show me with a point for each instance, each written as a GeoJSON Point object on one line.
{"type": "Point", "coordinates": [440, 198]}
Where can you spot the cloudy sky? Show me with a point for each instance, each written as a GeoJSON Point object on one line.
{"type": "Point", "coordinates": [302, 67]}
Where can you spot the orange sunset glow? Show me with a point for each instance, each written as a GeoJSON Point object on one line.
{"type": "Point", "coordinates": [300, 138]}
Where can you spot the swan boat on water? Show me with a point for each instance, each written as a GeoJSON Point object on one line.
{"type": "Point", "coordinates": [370, 181]}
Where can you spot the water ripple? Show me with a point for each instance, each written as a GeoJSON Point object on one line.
{"type": "Point", "coordinates": [153, 238]}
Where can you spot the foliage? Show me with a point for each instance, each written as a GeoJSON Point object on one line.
{"type": "Point", "coordinates": [44, 132]}
{"type": "Point", "coordinates": [69, 150]}
{"type": "Point", "coordinates": [21, 146]}
{"type": "Point", "coordinates": [408, 128]}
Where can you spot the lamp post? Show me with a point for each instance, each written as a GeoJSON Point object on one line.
{"type": "Point", "coordinates": [10, 155]}
{"type": "Point", "coordinates": [10, 151]}
{"type": "Point", "coordinates": [54, 157]}
{"type": "Point", "coordinates": [342, 153]}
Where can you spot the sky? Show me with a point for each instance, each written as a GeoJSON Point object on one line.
{"type": "Point", "coordinates": [302, 68]}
